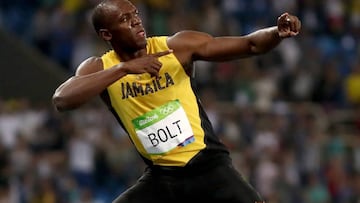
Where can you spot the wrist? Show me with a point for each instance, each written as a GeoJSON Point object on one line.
{"type": "Point", "coordinates": [276, 32]}
{"type": "Point", "coordinates": [122, 69]}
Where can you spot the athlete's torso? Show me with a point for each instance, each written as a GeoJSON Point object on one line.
{"type": "Point", "coordinates": [162, 116]}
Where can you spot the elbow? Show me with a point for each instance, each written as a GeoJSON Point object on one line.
{"type": "Point", "coordinates": [255, 50]}
{"type": "Point", "coordinates": [60, 103]}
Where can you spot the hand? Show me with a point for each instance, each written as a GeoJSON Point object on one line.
{"type": "Point", "coordinates": [146, 64]}
{"type": "Point", "coordinates": [288, 25]}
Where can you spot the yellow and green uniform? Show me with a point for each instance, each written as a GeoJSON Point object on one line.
{"type": "Point", "coordinates": [165, 121]}
{"type": "Point", "coordinates": [163, 116]}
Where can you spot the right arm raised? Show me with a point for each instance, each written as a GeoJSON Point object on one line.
{"type": "Point", "coordinates": [89, 81]}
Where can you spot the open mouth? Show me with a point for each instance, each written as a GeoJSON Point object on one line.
{"type": "Point", "coordinates": [141, 33]}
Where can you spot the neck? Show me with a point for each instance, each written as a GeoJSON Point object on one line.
{"type": "Point", "coordinates": [128, 55]}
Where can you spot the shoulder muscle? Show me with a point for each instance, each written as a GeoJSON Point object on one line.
{"type": "Point", "coordinates": [90, 65]}
{"type": "Point", "coordinates": [187, 45]}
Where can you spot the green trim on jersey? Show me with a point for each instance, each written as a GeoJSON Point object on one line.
{"type": "Point", "coordinates": [135, 95]}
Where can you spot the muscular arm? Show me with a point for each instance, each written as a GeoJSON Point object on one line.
{"type": "Point", "coordinates": [206, 47]}
{"type": "Point", "coordinates": [89, 81]}
{"type": "Point", "coordinates": [189, 46]}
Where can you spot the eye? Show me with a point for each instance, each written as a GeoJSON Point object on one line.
{"type": "Point", "coordinates": [128, 16]}
{"type": "Point", "coordinates": [125, 18]}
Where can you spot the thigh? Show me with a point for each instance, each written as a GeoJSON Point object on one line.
{"type": "Point", "coordinates": [225, 184]}
{"type": "Point", "coordinates": [147, 189]}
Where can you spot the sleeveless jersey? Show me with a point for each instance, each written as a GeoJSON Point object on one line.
{"type": "Point", "coordinates": [162, 115]}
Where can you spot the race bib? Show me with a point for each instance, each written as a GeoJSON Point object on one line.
{"type": "Point", "coordinates": [164, 128]}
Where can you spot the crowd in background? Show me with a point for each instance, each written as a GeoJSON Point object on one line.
{"type": "Point", "coordinates": [291, 118]}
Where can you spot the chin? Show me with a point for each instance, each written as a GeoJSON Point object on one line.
{"type": "Point", "coordinates": [143, 44]}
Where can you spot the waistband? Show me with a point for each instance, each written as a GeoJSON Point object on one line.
{"type": "Point", "coordinates": [198, 167]}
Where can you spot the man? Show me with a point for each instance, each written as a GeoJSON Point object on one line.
{"type": "Point", "coordinates": [146, 83]}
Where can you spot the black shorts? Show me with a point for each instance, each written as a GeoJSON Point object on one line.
{"type": "Point", "coordinates": [221, 183]}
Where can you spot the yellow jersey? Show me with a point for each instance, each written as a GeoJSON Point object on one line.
{"type": "Point", "coordinates": [162, 115]}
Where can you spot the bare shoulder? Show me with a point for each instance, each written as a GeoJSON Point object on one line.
{"type": "Point", "coordinates": [187, 45]}
{"type": "Point", "coordinates": [187, 39]}
{"type": "Point", "coordinates": [90, 65]}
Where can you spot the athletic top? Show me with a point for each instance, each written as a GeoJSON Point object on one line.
{"type": "Point", "coordinates": [162, 116]}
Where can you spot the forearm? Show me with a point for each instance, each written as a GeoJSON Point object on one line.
{"type": "Point", "coordinates": [235, 47]}
{"type": "Point", "coordinates": [264, 40]}
{"type": "Point", "coordinates": [79, 89]}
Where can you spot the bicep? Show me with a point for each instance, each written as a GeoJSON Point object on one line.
{"type": "Point", "coordinates": [90, 65]}
{"type": "Point", "coordinates": [192, 46]}
{"type": "Point", "coordinates": [225, 48]}
{"type": "Point", "coordinates": [188, 45]}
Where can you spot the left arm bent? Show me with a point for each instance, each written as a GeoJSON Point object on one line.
{"type": "Point", "coordinates": [191, 45]}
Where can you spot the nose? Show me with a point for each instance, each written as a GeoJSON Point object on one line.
{"type": "Point", "coordinates": [136, 20]}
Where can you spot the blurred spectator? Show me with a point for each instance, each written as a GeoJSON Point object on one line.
{"type": "Point", "coordinates": [352, 85]}
{"type": "Point", "coordinates": [5, 173]}
{"type": "Point", "coordinates": [328, 89]}
{"type": "Point", "coordinates": [317, 191]}
{"type": "Point", "coordinates": [292, 117]}
{"type": "Point", "coordinates": [82, 159]}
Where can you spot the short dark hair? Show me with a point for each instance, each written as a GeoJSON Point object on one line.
{"type": "Point", "coordinates": [98, 18]}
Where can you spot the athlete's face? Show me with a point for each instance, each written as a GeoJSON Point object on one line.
{"type": "Point", "coordinates": [124, 26]}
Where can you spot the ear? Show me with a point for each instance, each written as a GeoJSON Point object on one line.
{"type": "Point", "coordinates": [105, 34]}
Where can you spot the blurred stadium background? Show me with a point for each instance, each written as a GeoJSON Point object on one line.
{"type": "Point", "coordinates": [291, 117]}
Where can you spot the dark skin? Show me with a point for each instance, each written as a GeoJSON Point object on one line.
{"type": "Point", "coordinates": [123, 29]}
